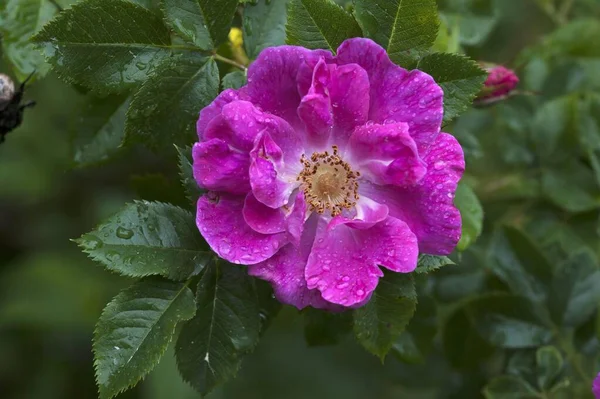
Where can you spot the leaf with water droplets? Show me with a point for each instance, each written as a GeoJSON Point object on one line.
{"type": "Point", "coordinates": [226, 326]}
{"type": "Point", "coordinates": [99, 130]}
{"type": "Point", "coordinates": [430, 263]}
{"type": "Point", "coordinates": [318, 24]}
{"type": "Point", "coordinates": [202, 22]}
{"type": "Point", "coordinates": [264, 25]}
{"type": "Point", "coordinates": [405, 28]}
{"type": "Point", "coordinates": [105, 45]}
{"type": "Point", "coordinates": [134, 330]}
{"type": "Point", "coordinates": [165, 109]}
{"type": "Point", "coordinates": [459, 76]}
{"type": "Point", "coordinates": [379, 323]}
{"type": "Point", "coordinates": [148, 238]}
{"type": "Point", "coordinates": [186, 172]}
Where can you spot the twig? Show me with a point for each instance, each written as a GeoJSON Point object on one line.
{"type": "Point", "coordinates": [228, 61]}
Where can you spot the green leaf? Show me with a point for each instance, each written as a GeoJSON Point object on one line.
{"type": "Point", "coordinates": [460, 77]}
{"type": "Point", "coordinates": [134, 330]}
{"type": "Point", "coordinates": [205, 23]}
{"type": "Point", "coordinates": [148, 238]}
{"type": "Point", "coordinates": [234, 80]}
{"type": "Point", "coordinates": [520, 263]}
{"type": "Point", "coordinates": [463, 345]}
{"type": "Point", "coordinates": [269, 306]}
{"type": "Point", "coordinates": [323, 328]}
{"type": "Point", "coordinates": [19, 20]}
{"type": "Point", "coordinates": [165, 109]}
{"type": "Point", "coordinates": [552, 128]}
{"type": "Point", "coordinates": [100, 130]}
{"type": "Point", "coordinates": [574, 294]}
{"type": "Point", "coordinates": [471, 212]}
{"type": "Point", "coordinates": [549, 366]}
{"type": "Point", "coordinates": [509, 321]}
{"type": "Point", "coordinates": [416, 341]}
{"type": "Point", "coordinates": [571, 186]}
{"type": "Point", "coordinates": [405, 28]}
{"type": "Point", "coordinates": [475, 19]}
{"type": "Point", "coordinates": [226, 326]}
{"type": "Point", "coordinates": [430, 263]}
{"type": "Point", "coordinates": [264, 26]}
{"type": "Point", "coordinates": [186, 172]}
{"type": "Point", "coordinates": [105, 45]}
{"type": "Point", "coordinates": [509, 387]}
{"type": "Point", "coordinates": [319, 24]}
{"type": "Point", "coordinates": [379, 323]}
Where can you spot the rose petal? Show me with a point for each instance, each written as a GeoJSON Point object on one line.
{"type": "Point", "coordinates": [218, 168]}
{"type": "Point", "coordinates": [344, 262]}
{"type": "Point", "coordinates": [272, 80]}
{"type": "Point", "coordinates": [396, 94]}
{"type": "Point", "coordinates": [221, 222]}
{"type": "Point", "coordinates": [210, 112]}
{"type": "Point", "coordinates": [261, 218]}
{"type": "Point", "coordinates": [428, 208]}
{"type": "Point", "coordinates": [285, 272]}
{"type": "Point", "coordinates": [386, 154]}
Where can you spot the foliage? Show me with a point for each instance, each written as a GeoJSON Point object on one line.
{"type": "Point", "coordinates": [512, 313]}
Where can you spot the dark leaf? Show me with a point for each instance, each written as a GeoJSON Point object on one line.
{"type": "Point", "coordinates": [264, 25]}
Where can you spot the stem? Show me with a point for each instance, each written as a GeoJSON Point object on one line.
{"type": "Point", "coordinates": [55, 4]}
{"type": "Point", "coordinates": [228, 61]}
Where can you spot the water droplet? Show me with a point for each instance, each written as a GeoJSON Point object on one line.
{"type": "Point", "coordinates": [124, 233]}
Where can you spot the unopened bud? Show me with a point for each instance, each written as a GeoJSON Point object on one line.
{"type": "Point", "coordinates": [499, 85]}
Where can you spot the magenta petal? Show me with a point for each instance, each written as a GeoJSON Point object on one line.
{"type": "Point", "coordinates": [315, 109]}
{"type": "Point", "coordinates": [261, 218]}
{"type": "Point", "coordinates": [295, 221]}
{"type": "Point", "coordinates": [272, 79]}
{"type": "Point", "coordinates": [368, 214]}
{"type": "Point", "coordinates": [396, 94]}
{"type": "Point", "coordinates": [285, 272]}
{"type": "Point", "coordinates": [221, 222]}
{"type": "Point", "coordinates": [349, 91]}
{"type": "Point", "coordinates": [218, 168]}
{"type": "Point", "coordinates": [596, 387]}
{"type": "Point", "coordinates": [344, 262]}
{"type": "Point", "coordinates": [386, 154]}
{"type": "Point", "coordinates": [268, 184]}
{"type": "Point", "coordinates": [428, 208]}
{"type": "Point", "coordinates": [214, 109]}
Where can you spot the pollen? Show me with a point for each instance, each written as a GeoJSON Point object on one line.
{"type": "Point", "coordinates": [329, 183]}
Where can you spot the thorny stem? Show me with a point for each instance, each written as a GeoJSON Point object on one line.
{"type": "Point", "coordinates": [229, 61]}
{"type": "Point", "coordinates": [55, 4]}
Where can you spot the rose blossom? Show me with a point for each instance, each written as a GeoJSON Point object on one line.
{"type": "Point", "coordinates": [500, 83]}
{"type": "Point", "coordinates": [324, 169]}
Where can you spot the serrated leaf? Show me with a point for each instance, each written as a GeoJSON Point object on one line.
{"type": "Point", "coordinates": [325, 328]}
{"type": "Point", "coordinates": [509, 387]}
{"type": "Point", "coordinates": [105, 45]}
{"type": "Point", "coordinates": [19, 20]}
{"type": "Point", "coordinates": [471, 212]}
{"type": "Point", "coordinates": [202, 22]}
{"type": "Point", "coordinates": [574, 294]}
{"type": "Point", "coordinates": [99, 130]}
{"type": "Point", "coordinates": [148, 238]}
{"type": "Point", "coordinates": [226, 326]}
{"type": "Point", "coordinates": [319, 24]}
{"type": "Point", "coordinates": [234, 80]}
{"type": "Point", "coordinates": [549, 366]}
{"type": "Point", "coordinates": [264, 25]}
{"type": "Point", "coordinates": [460, 78]}
{"type": "Point", "coordinates": [186, 172]}
{"type": "Point", "coordinates": [134, 331]}
{"type": "Point", "coordinates": [379, 323]}
{"type": "Point", "coordinates": [405, 28]}
{"type": "Point", "coordinates": [416, 341]}
{"type": "Point", "coordinates": [165, 109]}
{"type": "Point", "coordinates": [509, 321]}
{"type": "Point", "coordinates": [430, 263]}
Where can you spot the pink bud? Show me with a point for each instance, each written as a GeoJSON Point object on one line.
{"type": "Point", "coordinates": [500, 83]}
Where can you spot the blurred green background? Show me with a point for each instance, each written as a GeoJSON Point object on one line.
{"type": "Point", "coordinates": [51, 294]}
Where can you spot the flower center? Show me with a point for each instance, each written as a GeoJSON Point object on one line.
{"type": "Point", "coordinates": [329, 183]}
